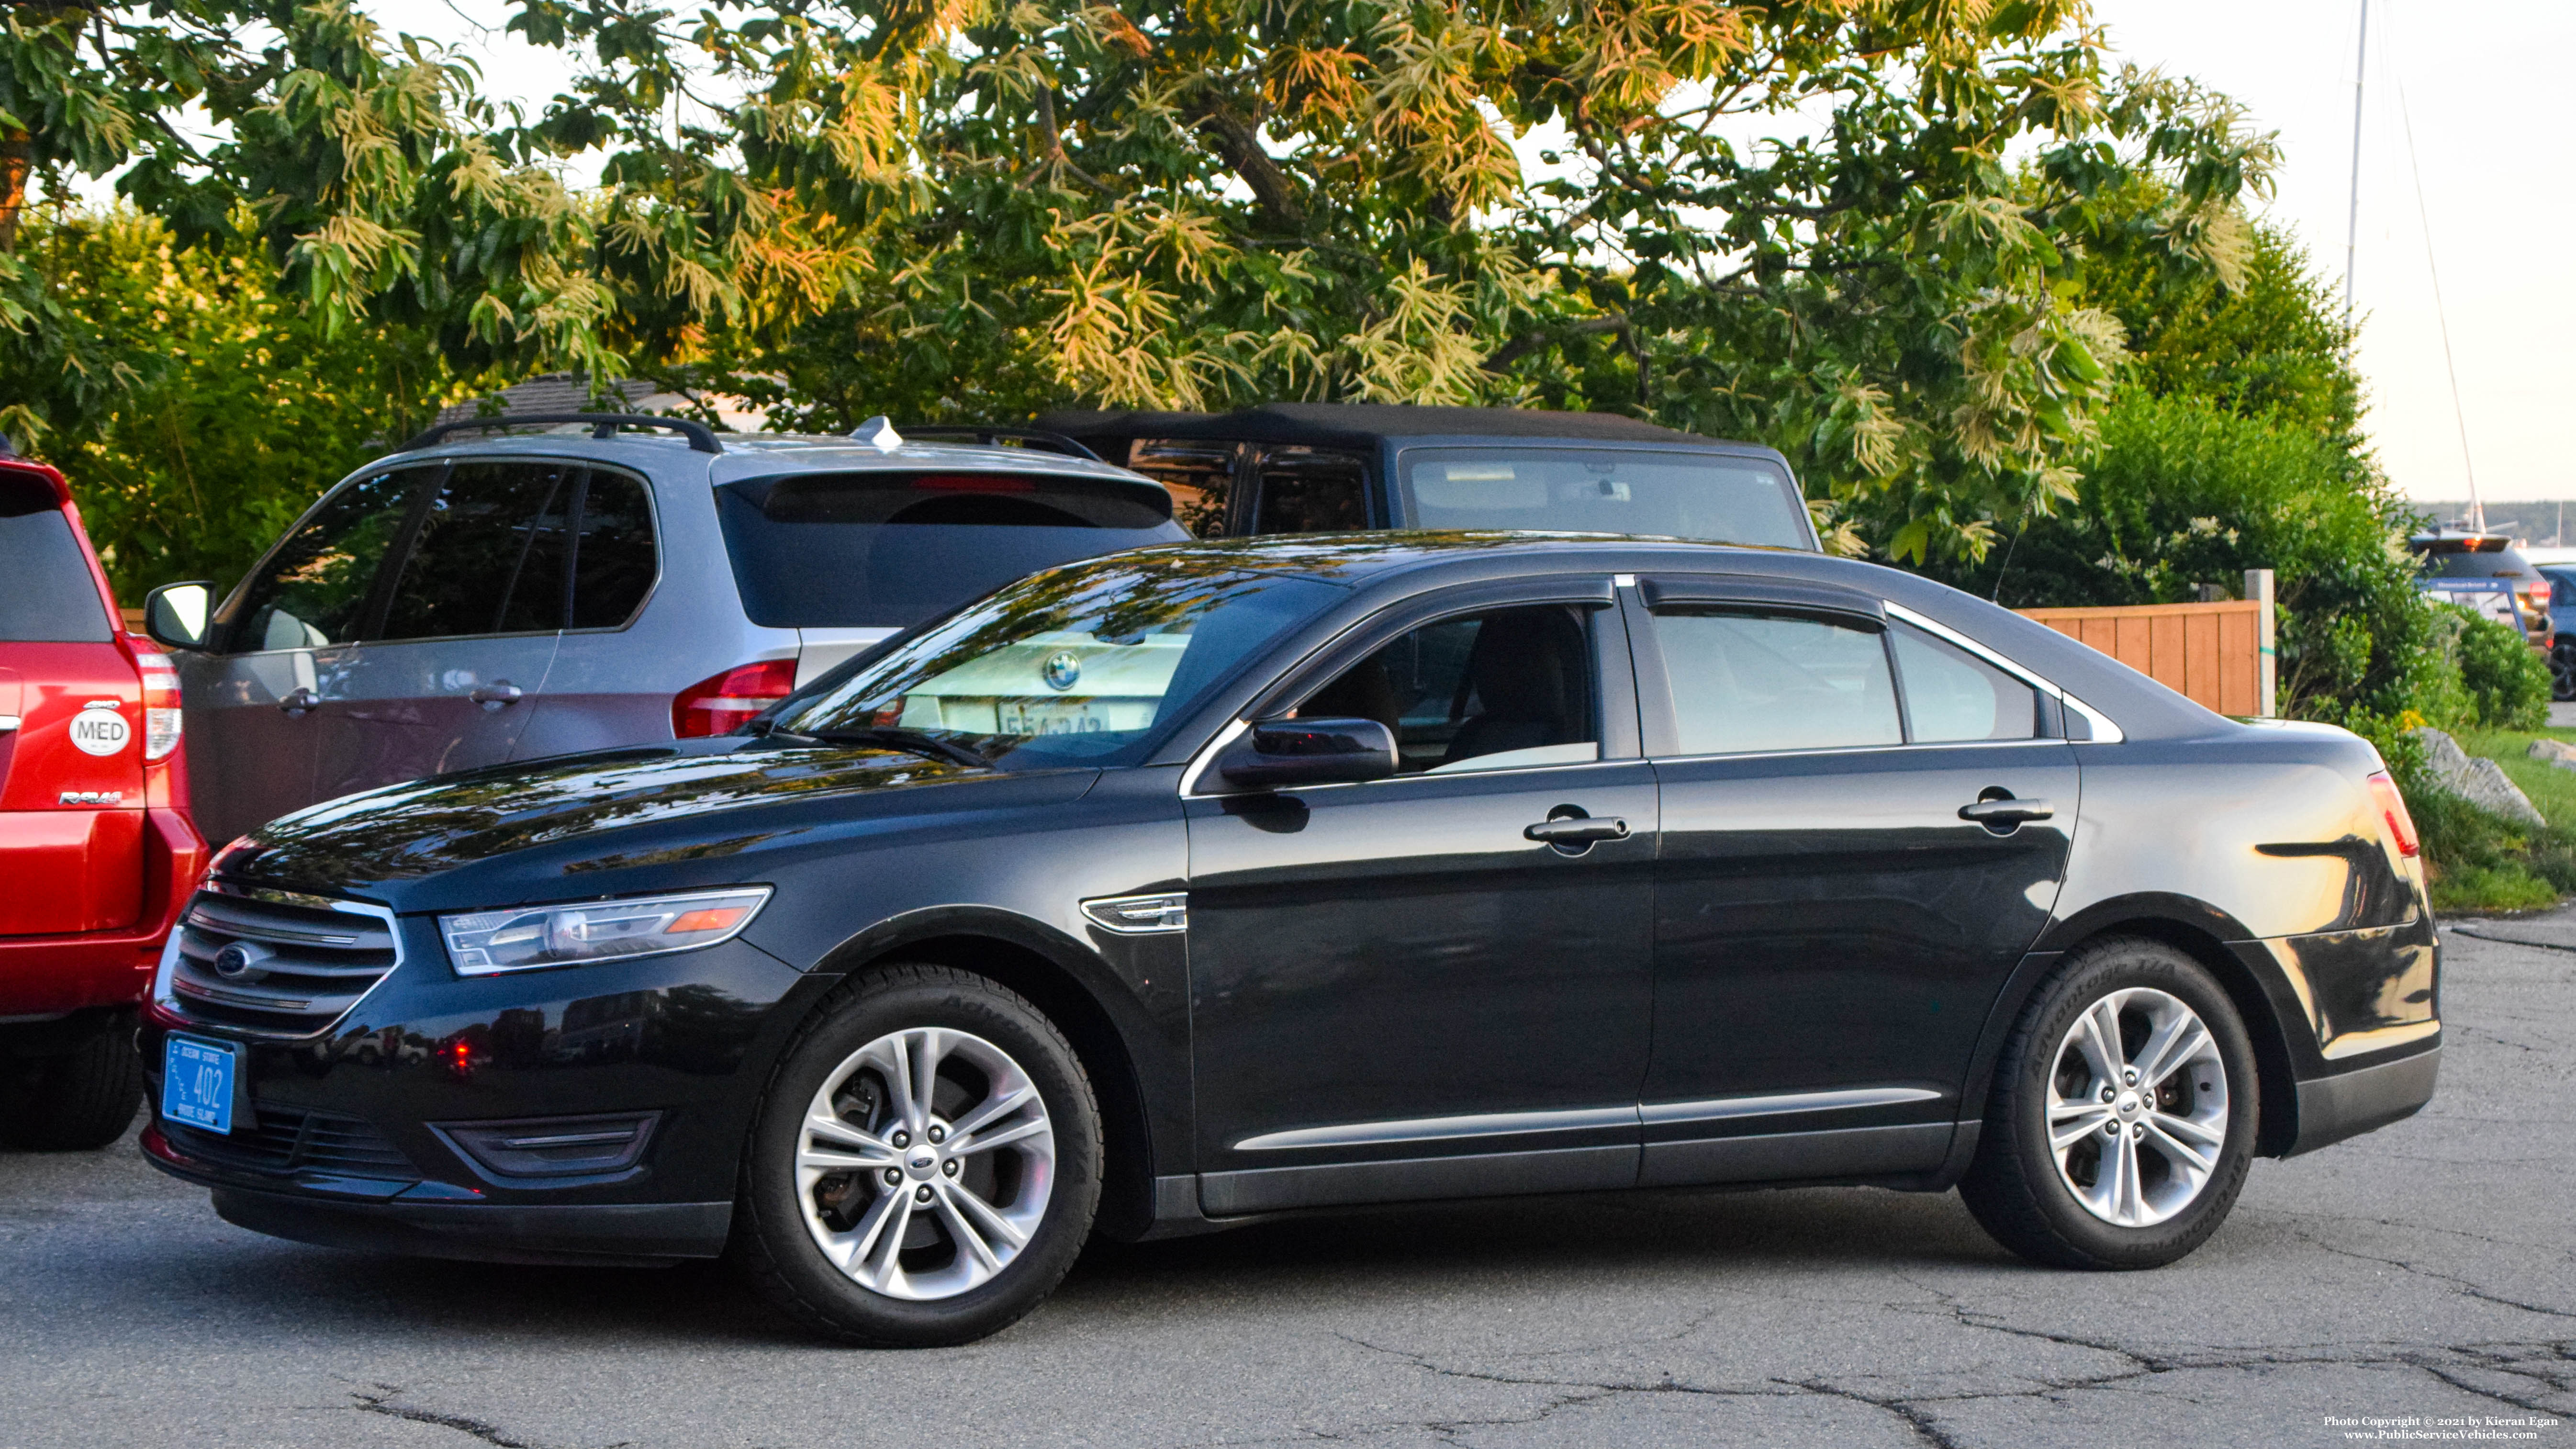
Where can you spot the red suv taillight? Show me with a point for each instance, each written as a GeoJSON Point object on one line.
{"type": "Point", "coordinates": [724, 702]}
{"type": "Point", "coordinates": [2392, 809]}
{"type": "Point", "coordinates": [161, 718]}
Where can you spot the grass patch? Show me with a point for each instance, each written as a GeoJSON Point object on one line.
{"type": "Point", "coordinates": [2483, 862]}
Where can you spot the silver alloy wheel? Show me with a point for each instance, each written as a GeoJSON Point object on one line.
{"type": "Point", "coordinates": [925, 1163]}
{"type": "Point", "coordinates": [2137, 1107]}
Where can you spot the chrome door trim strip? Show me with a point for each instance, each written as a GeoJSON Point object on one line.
{"type": "Point", "coordinates": [2105, 730]}
{"type": "Point", "coordinates": [1582, 1119]}
{"type": "Point", "coordinates": [1442, 1129]}
{"type": "Point", "coordinates": [1723, 1109]}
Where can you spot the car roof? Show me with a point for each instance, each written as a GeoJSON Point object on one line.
{"type": "Point", "coordinates": [767, 455]}
{"type": "Point", "coordinates": [1406, 561]}
{"type": "Point", "coordinates": [1365, 424]}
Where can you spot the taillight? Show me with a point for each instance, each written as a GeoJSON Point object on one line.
{"type": "Point", "coordinates": [161, 718]}
{"type": "Point", "coordinates": [725, 702]}
{"type": "Point", "coordinates": [2392, 809]}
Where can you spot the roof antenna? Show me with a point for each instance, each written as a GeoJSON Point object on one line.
{"type": "Point", "coordinates": [878, 433]}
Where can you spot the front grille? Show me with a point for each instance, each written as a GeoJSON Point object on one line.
{"type": "Point", "coordinates": [287, 1140]}
{"type": "Point", "coordinates": [303, 961]}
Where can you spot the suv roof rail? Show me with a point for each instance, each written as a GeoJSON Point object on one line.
{"type": "Point", "coordinates": [1037, 438]}
{"type": "Point", "coordinates": [702, 439]}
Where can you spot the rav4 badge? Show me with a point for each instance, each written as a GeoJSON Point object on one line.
{"type": "Point", "coordinates": [99, 730]}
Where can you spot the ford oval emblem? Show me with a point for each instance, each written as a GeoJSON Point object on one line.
{"type": "Point", "coordinates": [1063, 671]}
{"type": "Point", "coordinates": [233, 960]}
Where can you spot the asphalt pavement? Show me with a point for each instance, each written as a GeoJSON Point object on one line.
{"type": "Point", "coordinates": [2420, 1275]}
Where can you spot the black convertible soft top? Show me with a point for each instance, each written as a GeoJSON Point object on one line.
{"type": "Point", "coordinates": [1357, 424]}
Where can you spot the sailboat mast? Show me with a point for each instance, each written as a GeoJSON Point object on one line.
{"type": "Point", "coordinates": [2352, 222]}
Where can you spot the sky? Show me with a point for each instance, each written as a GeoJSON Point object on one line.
{"type": "Point", "coordinates": [2491, 153]}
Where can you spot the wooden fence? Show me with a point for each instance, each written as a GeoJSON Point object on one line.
{"type": "Point", "coordinates": [2218, 653]}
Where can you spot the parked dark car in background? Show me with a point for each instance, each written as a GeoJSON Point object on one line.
{"type": "Point", "coordinates": [1196, 884]}
{"type": "Point", "coordinates": [97, 852]}
{"type": "Point", "coordinates": [2562, 628]}
{"type": "Point", "coordinates": [612, 580]}
{"type": "Point", "coordinates": [2486, 574]}
{"type": "Point", "coordinates": [1329, 467]}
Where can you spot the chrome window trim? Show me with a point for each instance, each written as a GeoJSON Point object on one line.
{"type": "Point", "coordinates": [2106, 731]}
{"type": "Point", "coordinates": [168, 1001]}
{"type": "Point", "coordinates": [1189, 782]}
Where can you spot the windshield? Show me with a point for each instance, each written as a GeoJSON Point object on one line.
{"type": "Point", "coordinates": [895, 548]}
{"type": "Point", "coordinates": [1075, 667]}
{"type": "Point", "coordinates": [1607, 490]}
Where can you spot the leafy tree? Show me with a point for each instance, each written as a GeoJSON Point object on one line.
{"type": "Point", "coordinates": [248, 407]}
{"type": "Point", "coordinates": [381, 188]}
{"type": "Point", "coordinates": [1194, 205]}
{"type": "Point", "coordinates": [2262, 336]}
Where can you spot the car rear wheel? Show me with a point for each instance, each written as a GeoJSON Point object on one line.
{"type": "Point", "coordinates": [72, 1100]}
{"type": "Point", "coordinates": [926, 1164]}
{"type": "Point", "coordinates": [2562, 670]}
{"type": "Point", "coordinates": [2123, 1117]}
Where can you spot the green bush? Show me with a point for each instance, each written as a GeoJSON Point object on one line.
{"type": "Point", "coordinates": [2506, 679]}
{"type": "Point", "coordinates": [2183, 493]}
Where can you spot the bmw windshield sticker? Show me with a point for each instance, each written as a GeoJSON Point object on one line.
{"type": "Point", "coordinates": [99, 729]}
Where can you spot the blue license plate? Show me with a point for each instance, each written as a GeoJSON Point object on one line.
{"type": "Point", "coordinates": [197, 1083]}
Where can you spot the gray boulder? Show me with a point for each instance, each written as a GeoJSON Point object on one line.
{"type": "Point", "coordinates": [2556, 752]}
{"type": "Point", "coordinates": [2481, 782]}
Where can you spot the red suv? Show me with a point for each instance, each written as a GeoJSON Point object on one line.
{"type": "Point", "coordinates": [97, 852]}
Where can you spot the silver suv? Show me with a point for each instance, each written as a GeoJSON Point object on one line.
{"type": "Point", "coordinates": [617, 580]}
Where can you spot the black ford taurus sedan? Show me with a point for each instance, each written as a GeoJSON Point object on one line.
{"type": "Point", "coordinates": [1186, 886]}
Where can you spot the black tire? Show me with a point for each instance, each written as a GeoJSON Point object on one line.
{"type": "Point", "coordinates": [2015, 1187]}
{"type": "Point", "coordinates": [75, 1100]}
{"type": "Point", "coordinates": [2562, 670]}
{"type": "Point", "coordinates": [772, 1239]}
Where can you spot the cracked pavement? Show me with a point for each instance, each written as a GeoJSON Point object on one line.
{"type": "Point", "coordinates": [2428, 1269]}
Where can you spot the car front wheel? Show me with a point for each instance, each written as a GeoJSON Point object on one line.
{"type": "Point", "coordinates": [2123, 1117]}
{"type": "Point", "coordinates": [926, 1164]}
{"type": "Point", "coordinates": [2562, 670]}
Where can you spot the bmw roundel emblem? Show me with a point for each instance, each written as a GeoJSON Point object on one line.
{"type": "Point", "coordinates": [1063, 671]}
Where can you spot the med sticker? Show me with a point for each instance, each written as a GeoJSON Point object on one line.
{"type": "Point", "coordinates": [99, 730]}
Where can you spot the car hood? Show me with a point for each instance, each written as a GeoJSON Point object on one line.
{"type": "Point", "coordinates": [598, 811]}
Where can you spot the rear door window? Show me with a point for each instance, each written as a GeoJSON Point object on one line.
{"type": "Point", "coordinates": [615, 560]}
{"type": "Point", "coordinates": [488, 554]}
{"type": "Point", "coordinates": [829, 550]}
{"type": "Point", "coordinates": [48, 595]}
{"type": "Point", "coordinates": [1609, 490]}
{"type": "Point", "coordinates": [314, 590]}
{"type": "Point", "coordinates": [1952, 695]}
{"type": "Point", "coordinates": [1747, 683]}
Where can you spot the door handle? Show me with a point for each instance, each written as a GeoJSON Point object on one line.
{"type": "Point", "coordinates": [2002, 815]}
{"type": "Point", "coordinates": [1577, 830]}
{"type": "Point", "coordinates": [498, 693]}
{"type": "Point", "coordinates": [298, 700]}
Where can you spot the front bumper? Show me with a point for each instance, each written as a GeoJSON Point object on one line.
{"type": "Point", "coordinates": [363, 1135]}
{"type": "Point", "coordinates": [596, 1234]}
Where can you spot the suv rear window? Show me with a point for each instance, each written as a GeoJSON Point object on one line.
{"type": "Point", "coordinates": [879, 549]}
{"type": "Point", "coordinates": [1609, 490]}
{"type": "Point", "coordinates": [50, 597]}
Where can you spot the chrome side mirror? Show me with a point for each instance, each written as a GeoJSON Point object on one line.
{"type": "Point", "coordinates": [178, 614]}
{"type": "Point", "coordinates": [1281, 754]}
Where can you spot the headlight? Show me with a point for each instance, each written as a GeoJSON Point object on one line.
{"type": "Point", "coordinates": [484, 942]}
